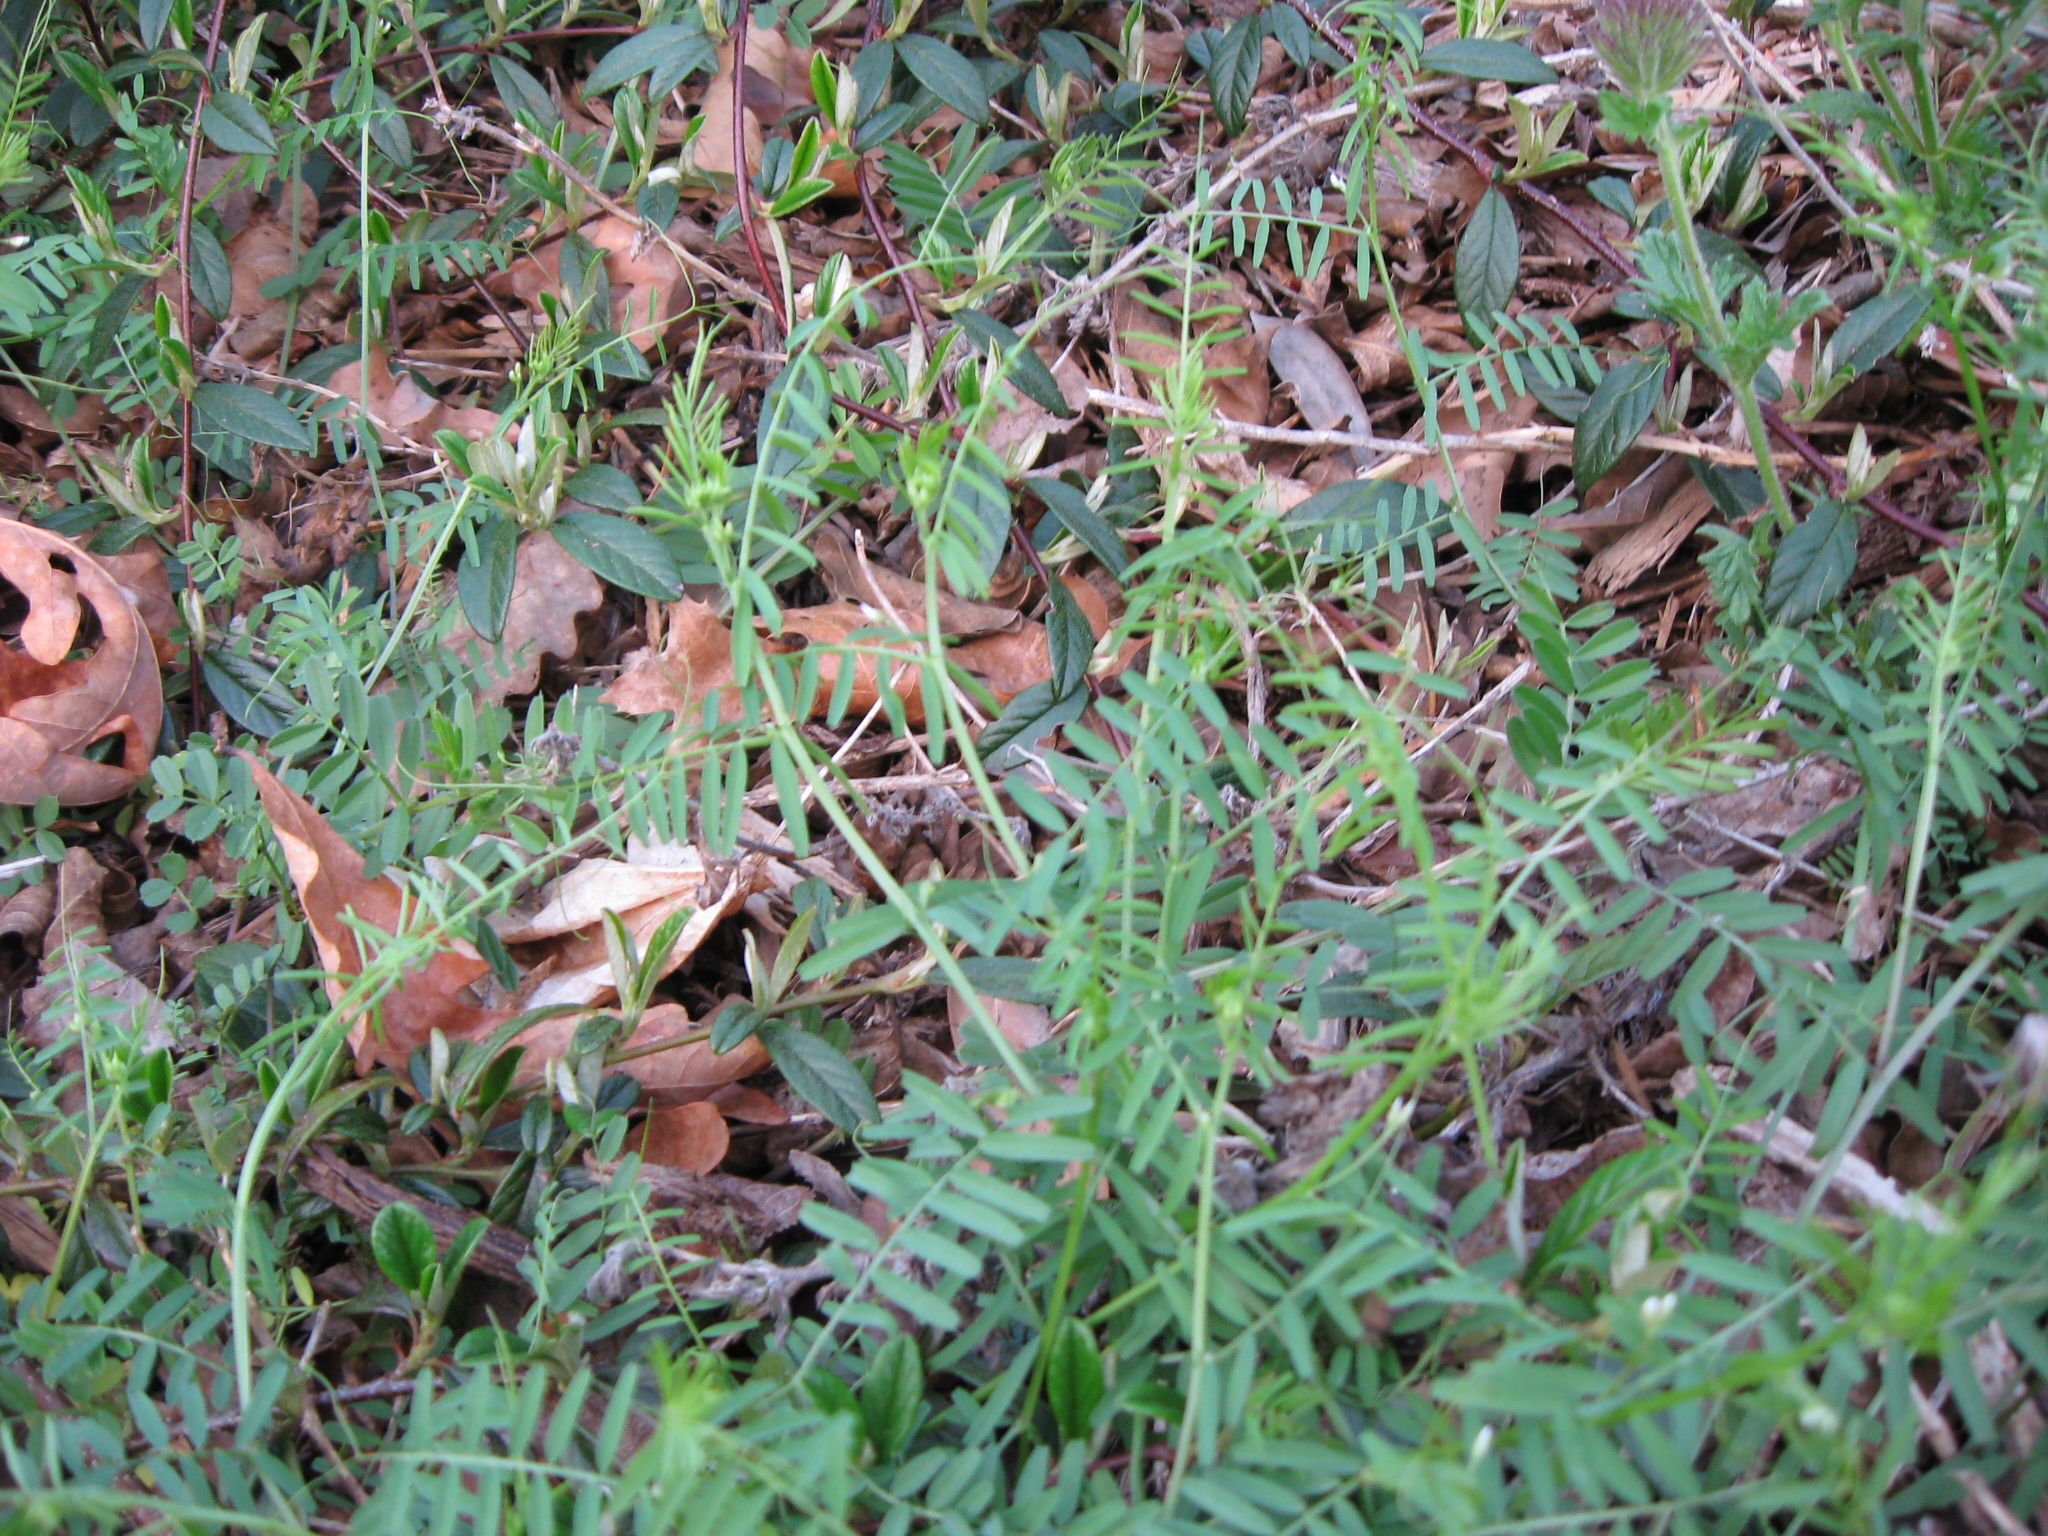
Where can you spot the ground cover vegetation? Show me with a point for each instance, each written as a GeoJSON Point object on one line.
{"type": "Point", "coordinates": [875, 767]}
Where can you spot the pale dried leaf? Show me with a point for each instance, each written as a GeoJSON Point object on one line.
{"type": "Point", "coordinates": [580, 898]}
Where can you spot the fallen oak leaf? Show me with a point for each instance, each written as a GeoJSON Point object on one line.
{"type": "Point", "coordinates": [778, 78]}
{"type": "Point", "coordinates": [694, 665]}
{"type": "Point", "coordinates": [53, 705]}
{"type": "Point", "coordinates": [853, 576]}
{"type": "Point", "coordinates": [649, 289]}
{"type": "Point", "coordinates": [581, 971]}
{"type": "Point", "coordinates": [399, 405]}
{"type": "Point", "coordinates": [328, 874]}
{"type": "Point", "coordinates": [551, 589]}
{"type": "Point", "coordinates": [579, 899]}
{"type": "Point", "coordinates": [141, 572]}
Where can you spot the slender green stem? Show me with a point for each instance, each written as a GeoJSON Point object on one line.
{"type": "Point", "coordinates": [1715, 326]}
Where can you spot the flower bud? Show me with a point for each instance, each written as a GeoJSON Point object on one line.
{"type": "Point", "coordinates": [1648, 46]}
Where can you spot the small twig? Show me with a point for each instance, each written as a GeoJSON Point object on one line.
{"type": "Point", "coordinates": [463, 121]}
{"type": "Point", "coordinates": [742, 182]}
{"type": "Point", "coordinates": [1514, 440]}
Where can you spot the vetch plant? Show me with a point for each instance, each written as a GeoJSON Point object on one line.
{"type": "Point", "coordinates": [1648, 48]}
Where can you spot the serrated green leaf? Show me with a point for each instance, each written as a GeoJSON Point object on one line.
{"type": "Point", "coordinates": [237, 410]}
{"type": "Point", "coordinates": [248, 691]}
{"type": "Point", "coordinates": [820, 1075]}
{"type": "Point", "coordinates": [1007, 976]}
{"type": "Point", "coordinates": [1616, 413]}
{"type": "Point", "coordinates": [1024, 367]}
{"type": "Point", "coordinates": [153, 14]}
{"type": "Point", "coordinates": [1072, 640]}
{"type": "Point", "coordinates": [388, 130]}
{"type": "Point", "coordinates": [1489, 263]}
{"type": "Point", "coordinates": [236, 125]}
{"type": "Point", "coordinates": [891, 1394]}
{"type": "Point", "coordinates": [1813, 564]}
{"type": "Point", "coordinates": [1026, 720]}
{"type": "Point", "coordinates": [1872, 332]}
{"type": "Point", "coordinates": [1234, 71]}
{"type": "Point", "coordinates": [623, 553]}
{"type": "Point", "coordinates": [213, 281]}
{"type": "Point", "coordinates": [947, 75]}
{"type": "Point", "coordinates": [601, 485]}
{"type": "Point", "coordinates": [1487, 58]}
{"type": "Point", "coordinates": [527, 98]}
{"type": "Point", "coordinates": [1071, 510]}
{"type": "Point", "coordinates": [671, 52]}
{"type": "Point", "coordinates": [484, 579]}
{"type": "Point", "coordinates": [402, 1242]}
{"type": "Point", "coordinates": [1074, 1379]}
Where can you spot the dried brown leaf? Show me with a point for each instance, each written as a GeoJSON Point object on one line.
{"type": "Point", "coordinates": [692, 1137]}
{"type": "Point", "coordinates": [693, 665]}
{"type": "Point", "coordinates": [778, 78]}
{"type": "Point", "coordinates": [852, 576]}
{"type": "Point", "coordinates": [671, 1073]}
{"type": "Point", "coordinates": [52, 705]}
{"type": "Point", "coordinates": [551, 589]}
{"type": "Point", "coordinates": [328, 874]}
{"type": "Point", "coordinates": [648, 287]}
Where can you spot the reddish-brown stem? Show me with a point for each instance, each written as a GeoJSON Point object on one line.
{"type": "Point", "coordinates": [869, 413]}
{"type": "Point", "coordinates": [188, 462]}
{"type": "Point", "coordinates": [873, 213]}
{"type": "Point", "coordinates": [1837, 482]}
{"type": "Point", "coordinates": [742, 182]}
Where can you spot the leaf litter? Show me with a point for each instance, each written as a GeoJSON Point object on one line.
{"type": "Point", "coordinates": [672, 932]}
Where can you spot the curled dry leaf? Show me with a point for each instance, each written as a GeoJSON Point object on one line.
{"type": "Point", "coordinates": [643, 897]}
{"type": "Point", "coordinates": [78, 923]}
{"type": "Point", "coordinates": [1234, 353]}
{"type": "Point", "coordinates": [696, 662]}
{"type": "Point", "coordinates": [1024, 1025]}
{"type": "Point", "coordinates": [261, 253]}
{"type": "Point", "coordinates": [550, 590]}
{"type": "Point", "coordinates": [693, 665]}
{"type": "Point", "coordinates": [648, 287]}
{"type": "Point", "coordinates": [39, 427]}
{"type": "Point", "coordinates": [851, 575]}
{"type": "Point", "coordinates": [1322, 385]}
{"type": "Point", "coordinates": [328, 874]}
{"type": "Point", "coordinates": [334, 891]}
{"type": "Point", "coordinates": [1382, 360]}
{"type": "Point", "coordinates": [1482, 472]}
{"type": "Point", "coordinates": [140, 572]}
{"type": "Point", "coordinates": [53, 705]}
{"type": "Point", "coordinates": [397, 404]}
{"type": "Point", "coordinates": [691, 1137]}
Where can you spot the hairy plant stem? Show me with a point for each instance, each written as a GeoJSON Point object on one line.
{"type": "Point", "coordinates": [1715, 325]}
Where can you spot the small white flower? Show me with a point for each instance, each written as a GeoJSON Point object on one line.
{"type": "Point", "coordinates": [1481, 1444]}
{"type": "Point", "coordinates": [1819, 1419]}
